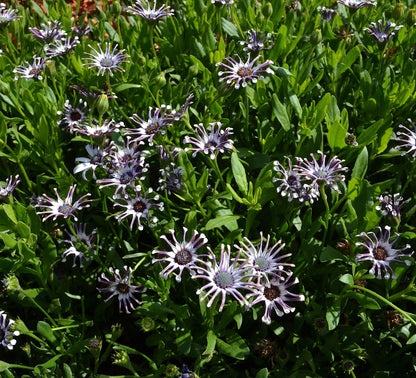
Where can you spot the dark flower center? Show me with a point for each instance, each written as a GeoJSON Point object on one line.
{"type": "Point", "coordinates": [75, 115]}
{"type": "Point", "coordinates": [126, 177]}
{"type": "Point", "coordinates": [35, 71]}
{"type": "Point", "coordinates": [106, 62]}
{"type": "Point", "coordinates": [224, 280]}
{"type": "Point", "coordinates": [139, 207]}
{"type": "Point", "coordinates": [152, 128]}
{"type": "Point", "coordinates": [292, 179]}
{"type": "Point", "coordinates": [183, 257]}
{"type": "Point", "coordinates": [244, 71]}
{"type": "Point", "coordinates": [123, 288]}
{"type": "Point", "coordinates": [271, 293]}
{"type": "Point", "coordinates": [210, 144]}
{"type": "Point", "coordinates": [380, 253]}
{"type": "Point", "coordinates": [2, 334]}
{"type": "Point", "coordinates": [97, 158]}
{"type": "Point", "coordinates": [65, 208]}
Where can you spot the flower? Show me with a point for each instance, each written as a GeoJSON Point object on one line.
{"type": "Point", "coordinates": [165, 155]}
{"type": "Point", "coordinates": [222, 2]}
{"type": "Point", "coordinates": [182, 254]}
{"type": "Point", "coordinates": [61, 207]}
{"type": "Point", "coordinates": [7, 15]}
{"type": "Point", "coordinates": [84, 238]}
{"type": "Point", "coordinates": [171, 179]}
{"type": "Point", "coordinates": [81, 30]}
{"type": "Point", "coordinates": [124, 176]}
{"type": "Point", "coordinates": [224, 278]}
{"type": "Point", "coordinates": [264, 261]}
{"type": "Point", "coordinates": [383, 35]}
{"type": "Point", "coordinates": [327, 13]}
{"type": "Point", "coordinates": [48, 32]}
{"type": "Point", "coordinates": [73, 117]}
{"type": "Point", "coordinates": [93, 95]}
{"type": "Point", "coordinates": [139, 207]}
{"type": "Point", "coordinates": [94, 129]}
{"type": "Point", "coordinates": [61, 46]}
{"type": "Point", "coordinates": [239, 72]}
{"type": "Point", "coordinates": [97, 157]}
{"type": "Point", "coordinates": [390, 205]}
{"type": "Point", "coordinates": [121, 287]}
{"type": "Point", "coordinates": [158, 119]}
{"type": "Point", "coordinates": [275, 294]}
{"type": "Point", "coordinates": [410, 138]}
{"type": "Point", "coordinates": [217, 140]}
{"type": "Point", "coordinates": [291, 184]}
{"type": "Point", "coordinates": [257, 41]}
{"type": "Point", "coordinates": [6, 338]}
{"type": "Point", "coordinates": [381, 252]}
{"type": "Point", "coordinates": [143, 9]}
{"type": "Point", "coordinates": [327, 175]}
{"type": "Point", "coordinates": [122, 156]}
{"type": "Point", "coordinates": [11, 184]}
{"type": "Point", "coordinates": [356, 4]}
{"type": "Point", "coordinates": [33, 70]}
{"type": "Point", "coordinates": [106, 61]}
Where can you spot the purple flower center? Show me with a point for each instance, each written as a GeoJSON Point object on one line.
{"type": "Point", "coordinates": [292, 179]}
{"type": "Point", "coordinates": [271, 293]}
{"type": "Point", "coordinates": [35, 71]}
{"type": "Point", "coordinates": [123, 288]}
{"type": "Point", "coordinates": [224, 280]}
{"type": "Point", "coordinates": [321, 173]}
{"type": "Point", "coordinates": [152, 128]}
{"type": "Point", "coordinates": [262, 264]}
{"type": "Point", "coordinates": [380, 253]}
{"type": "Point", "coordinates": [106, 62]}
{"type": "Point", "coordinates": [139, 207]}
{"type": "Point", "coordinates": [183, 257]}
{"type": "Point", "coordinates": [97, 158]}
{"type": "Point", "coordinates": [65, 208]}
{"type": "Point", "coordinates": [210, 144]}
{"type": "Point", "coordinates": [244, 71]}
{"type": "Point", "coordinates": [126, 177]}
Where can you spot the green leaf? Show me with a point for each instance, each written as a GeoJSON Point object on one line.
{"type": "Point", "coordinates": [336, 135]}
{"type": "Point", "coordinates": [230, 28]}
{"type": "Point", "coordinates": [50, 363]}
{"type": "Point", "coordinates": [412, 340]}
{"type": "Point", "coordinates": [123, 86]}
{"type": "Point", "coordinates": [45, 330]}
{"type": "Point", "coordinates": [9, 241]}
{"type": "Point", "coordinates": [280, 112]}
{"type": "Point", "coordinates": [333, 314]}
{"type": "Point", "coordinates": [347, 61]}
{"type": "Point", "coordinates": [347, 279]}
{"type": "Point", "coordinates": [221, 221]}
{"type": "Point", "coordinates": [235, 347]}
{"type": "Point", "coordinates": [365, 301]}
{"type": "Point", "coordinates": [360, 166]}
{"type": "Point", "coordinates": [330, 254]}
{"type": "Point", "coordinates": [263, 373]}
{"type": "Point", "coordinates": [239, 173]}
{"type": "Point", "coordinates": [8, 209]}
{"type": "Point", "coordinates": [211, 342]}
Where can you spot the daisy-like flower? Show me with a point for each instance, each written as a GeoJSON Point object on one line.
{"type": "Point", "coordinates": [73, 117]}
{"type": "Point", "coordinates": [48, 32]}
{"type": "Point", "coordinates": [63, 208]}
{"type": "Point", "coordinates": [143, 9]}
{"type": "Point", "coordinates": [121, 156]}
{"type": "Point", "coordinates": [216, 140]}
{"type": "Point", "coordinates": [171, 179]}
{"type": "Point", "coordinates": [390, 205]}
{"type": "Point", "coordinates": [7, 15]}
{"type": "Point", "coordinates": [225, 278]}
{"type": "Point", "coordinates": [6, 337]}
{"type": "Point", "coordinates": [257, 41]}
{"type": "Point", "coordinates": [86, 239]}
{"type": "Point", "coordinates": [410, 138]}
{"type": "Point", "coordinates": [92, 94]}
{"type": "Point", "coordinates": [381, 34]}
{"type": "Point", "coordinates": [81, 30]}
{"type": "Point", "coordinates": [108, 60]}
{"type": "Point", "coordinates": [381, 253]}
{"type": "Point", "coordinates": [61, 46]}
{"type": "Point", "coordinates": [121, 288]}
{"type": "Point", "coordinates": [158, 119]}
{"type": "Point", "coordinates": [327, 13]}
{"type": "Point", "coordinates": [11, 184]}
{"type": "Point", "coordinates": [164, 154]}
{"type": "Point", "coordinates": [125, 176]}
{"type": "Point", "coordinates": [264, 261]}
{"type": "Point", "coordinates": [356, 4]}
{"type": "Point", "coordinates": [94, 129]}
{"type": "Point", "coordinates": [227, 2]}
{"type": "Point", "coordinates": [140, 207]}
{"type": "Point", "coordinates": [319, 173]}
{"type": "Point", "coordinates": [275, 294]}
{"type": "Point", "coordinates": [238, 73]}
{"type": "Point", "coordinates": [182, 254]}
{"type": "Point", "coordinates": [32, 71]}
{"type": "Point", "coordinates": [97, 158]}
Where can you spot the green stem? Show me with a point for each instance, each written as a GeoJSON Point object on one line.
{"type": "Point", "coordinates": [19, 366]}
{"type": "Point", "coordinates": [151, 34]}
{"type": "Point", "coordinates": [327, 210]}
{"type": "Point", "coordinates": [378, 296]}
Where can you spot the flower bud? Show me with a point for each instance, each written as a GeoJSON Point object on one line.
{"type": "Point", "coordinates": [94, 346]}
{"type": "Point", "coordinates": [267, 10]}
{"type": "Point", "coordinates": [160, 80]}
{"type": "Point", "coordinates": [316, 36]}
{"type": "Point", "coordinates": [411, 17]}
{"type": "Point", "coordinates": [102, 104]}
{"type": "Point", "coordinates": [147, 324]}
{"type": "Point", "coordinates": [116, 331]}
{"type": "Point", "coordinates": [398, 11]}
{"type": "Point", "coordinates": [50, 65]}
{"type": "Point", "coordinates": [171, 371]}
{"type": "Point", "coordinates": [116, 8]}
{"type": "Point", "coordinates": [193, 70]}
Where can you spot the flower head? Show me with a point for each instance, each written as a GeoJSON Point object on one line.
{"type": "Point", "coordinates": [63, 208]}
{"type": "Point", "coordinates": [171, 179]}
{"type": "Point", "coordinates": [381, 34]}
{"type": "Point", "coordinates": [257, 41]}
{"type": "Point", "coordinates": [94, 129]}
{"type": "Point", "coordinates": [328, 175]}
{"type": "Point", "coordinates": [106, 61]}
{"type": "Point", "coordinates": [97, 158]}
{"type": "Point", "coordinates": [80, 236]}
{"type": "Point", "coordinates": [182, 254]}
{"type": "Point", "coordinates": [409, 138]}
{"type": "Point", "coordinates": [264, 261]}
{"type": "Point", "coordinates": [327, 13]}
{"type": "Point", "coordinates": [139, 207]}
{"type": "Point", "coordinates": [222, 2]}
{"type": "Point", "coordinates": [121, 156]}
{"type": "Point", "coordinates": [216, 140]}
{"type": "Point", "coordinates": [11, 184]}
{"type": "Point", "coordinates": [61, 46]}
{"type": "Point", "coordinates": [6, 337]}
{"type": "Point", "coordinates": [81, 30]}
{"type": "Point", "coordinates": [381, 253]}
{"type": "Point", "coordinates": [7, 15]}
{"type": "Point", "coordinates": [390, 205]}
{"type": "Point", "coordinates": [275, 294]}
{"type": "Point", "coordinates": [225, 277]}
{"type": "Point", "coordinates": [356, 4]}
{"type": "Point", "coordinates": [32, 71]}
{"type": "Point", "coordinates": [121, 288]}
{"type": "Point", "coordinates": [73, 117]}
{"type": "Point", "coordinates": [237, 73]}
{"type": "Point", "coordinates": [48, 32]}
{"type": "Point", "coordinates": [143, 9]}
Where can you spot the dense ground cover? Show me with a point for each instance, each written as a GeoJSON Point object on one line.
{"type": "Point", "coordinates": [211, 188]}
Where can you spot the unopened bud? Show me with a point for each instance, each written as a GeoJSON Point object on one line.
{"type": "Point", "coordinates": [147, 324]}
{"type": "Point", "coordinates": [160, 80]}
{"type": "Point", "coordinates": [411, 17]}
{"type": "Point", "coordinates": [316, 36]}
{"type": "Point", "coordinates": [398, 11]}
{"type": "Point", "coordinates": [50, 65]}
{"type": "Point", "coordinates": [193, 70]}
{"type": "Point", "coordinates": [102, 104]}
{"type": "Point", "coordinates": [116, 331]}
{"type": "Point", "coordinates": [116, 8]}
{"type": "Point", "coordinates": [171, 371]}
{"type": "Point", "coordinates": [267, 10]}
